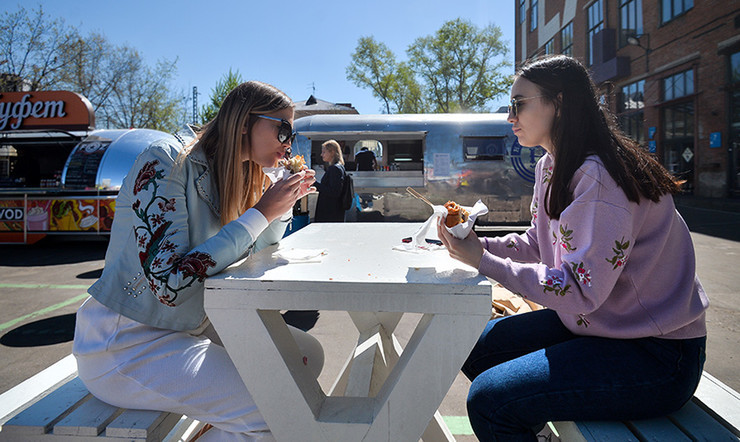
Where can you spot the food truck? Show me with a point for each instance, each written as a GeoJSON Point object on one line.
{"type": "Point", "coordinates": [459, 157]}
{"type": "Point", "coordinates": [58, 174]}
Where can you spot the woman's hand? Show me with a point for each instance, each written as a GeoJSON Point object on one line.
{"type": "Point", "coordinates": [282, 196]}
{"type": "Point", "coordinates": [468, 250]}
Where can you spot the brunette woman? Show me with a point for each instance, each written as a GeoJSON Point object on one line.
{"type": "Point", "coordinates": [623, 336]}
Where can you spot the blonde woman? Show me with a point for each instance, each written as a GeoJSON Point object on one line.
{"type": "Point", "coordinates": [143, 339]}
{"type": "Point", "coordinates": [329, 204]}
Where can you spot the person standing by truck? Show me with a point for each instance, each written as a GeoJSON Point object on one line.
{"type": "Point", "coordinates": [143, 340]}
{"type": "Point", "coordinates": [329, 204]}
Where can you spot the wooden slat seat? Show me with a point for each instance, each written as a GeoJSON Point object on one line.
{"type": "Point", "coordinates": [71, 413]}
{"type": "Point", "coordinates": [713, 414]}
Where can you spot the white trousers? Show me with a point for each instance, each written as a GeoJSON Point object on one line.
{"type": "Point", "coordinates": [132, 365]}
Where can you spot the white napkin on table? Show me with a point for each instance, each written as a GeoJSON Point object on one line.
{"type": "Point", "coordinates": [294, 255]}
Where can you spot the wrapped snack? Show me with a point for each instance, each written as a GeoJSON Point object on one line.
{"type": "Point", "coordinates": [456, 214]}
{"type": "Point", "coordinates": [294, 164]}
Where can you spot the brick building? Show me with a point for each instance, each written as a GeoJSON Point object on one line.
{"type": "Point", "coordinates": [670, 69]}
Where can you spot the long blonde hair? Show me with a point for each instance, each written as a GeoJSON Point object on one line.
{"type": "Point", "coordinates": [240, 183]}
{"type": "Point", "coordinates": [336, 151]}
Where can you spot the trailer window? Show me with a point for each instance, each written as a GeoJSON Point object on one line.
{"type": "Point", "coordinates": [374, 146]}
{"type": "Point", "coordinates": [484, 148]}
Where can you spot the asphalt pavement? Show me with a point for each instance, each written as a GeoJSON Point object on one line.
{"type": "Point", "coordinates": [42, 285]}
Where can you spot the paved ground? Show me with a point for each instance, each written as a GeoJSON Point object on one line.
{"type": "Point", "coordinates": [42, 285]}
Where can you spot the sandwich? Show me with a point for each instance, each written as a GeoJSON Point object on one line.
{"type": "Point", "coordinates": [455, 214]}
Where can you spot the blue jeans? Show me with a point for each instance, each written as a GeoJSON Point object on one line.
{"type": "Point", "coordinates": [529, 369]}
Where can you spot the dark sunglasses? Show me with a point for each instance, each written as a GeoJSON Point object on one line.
{"type": "Point", "coordinates": [286, 135]}
{"type": "Point", "coordinates": [515, 102]}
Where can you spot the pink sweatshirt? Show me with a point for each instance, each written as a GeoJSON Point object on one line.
{"type": "Point", "coordinates": [609, 267]}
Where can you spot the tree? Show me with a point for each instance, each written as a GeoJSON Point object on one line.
{"type": "Point", "coordinates": [456, 68]}
{"type": "Point", "coordinates": [33, 50]}
{"type": "Point", "coordinates": [373, 65]}
{"type": "Point", "coordinates": [41, 53]}
{"type": "Point", "coordinates": [227, 83]}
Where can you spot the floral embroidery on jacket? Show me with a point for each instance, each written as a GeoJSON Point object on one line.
{"type": "Point", "coordinates": [583, 275]}
{"type": "Point", "coordinates": [583, 321]}
{"type": "Point", "coordinates": [566, 236]}
{"type": "Point", "coordinates": [620, 258]}
{"type": "Point", "coordinates": [153, 240]}
{"type": "Point", "coordinates": [554, 284]}
{"type": "Point", "coordinates": [512, 245]}
{"type": "Point", "coordinates": [533, 209]}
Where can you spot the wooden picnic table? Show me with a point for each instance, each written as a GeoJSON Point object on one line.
{"type": "Point", "coordinates": [384, 391]}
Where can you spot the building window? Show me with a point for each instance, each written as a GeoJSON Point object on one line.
{"type": "Point", "coordinates": [630, 23]}
{"type": "Point", "coordinates": [734, 139]}
{"type": "Point", "coordinates": [678, 142]}
{"type": "Point", "coordinates": [522, 11]}
{"type": "Point", "coordinates": [631, 106]}
{"type": "Point", "coordinates": [673, 8]}
{"type": "Point", "coordinates": [566, 39]}
{"type": "Point", "coordinates": [484, 148]}
{"type": "Point", "coordinates": [550, 47]}
{"type": "Point", "coordinates": [533, 15]}
{"type": "Point", "coordinates": [595, 24]}
{"type": "Point", "coordinates": [678, 85]}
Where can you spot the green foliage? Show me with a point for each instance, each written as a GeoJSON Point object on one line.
{"type": "Point", "coordinates": [460, 68]}
{"type": "Point", "coordinates": [228, 82]}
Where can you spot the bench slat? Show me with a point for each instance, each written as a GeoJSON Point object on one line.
{"type": "Point", "coordinates": [89, 419]}
{"type": "Point", "coordinates": [720, 401]}
{"type": "Point", "coordinates": [658, 429]}
{"type": "Point", "coordinates": [40, 417]}
{"type": "Point", "coordinates": [699, 425]}
{"type": "Point", "coordinates": [141, 424]}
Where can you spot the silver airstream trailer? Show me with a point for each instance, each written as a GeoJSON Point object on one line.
{"type": "Point", "coordinates": [460, 157]}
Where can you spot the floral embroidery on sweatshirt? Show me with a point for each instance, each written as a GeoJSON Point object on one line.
{"type": "Point", "coordinates": [546, 175]}
{"type": "Point", "coordinates": [513, 245]}
{"type": "Point", "coordinates": [620, 258]}
{"type": "Point", "coordinates": [582, 321]}
{"type": "Point", "coordinates": [533, 209]}
{"type": "Point", "coordinates": [553, 283]}
{"type": "Point", "coordinates": [566, 236]}
{"type": "Point", "coordinates": [152, 237]}
{"type": "Point", "coordinates": [582, 275]}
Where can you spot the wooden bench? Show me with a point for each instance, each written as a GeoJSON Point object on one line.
{"type": "Point", "coordinates": [713, 415]}
{"type": "Point", "coordinates": [55, 406]}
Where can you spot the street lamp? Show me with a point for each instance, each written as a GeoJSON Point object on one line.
{"type": "Point", "coordinates": [635, 41]}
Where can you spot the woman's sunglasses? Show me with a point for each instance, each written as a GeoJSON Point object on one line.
{"type": "Point", "coordinates": [285, 132]}
{"type": "Point", "coordinates": [516, 102]}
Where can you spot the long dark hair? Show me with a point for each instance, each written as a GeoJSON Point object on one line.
{"type": "Point", "coordinates": [583, 127]}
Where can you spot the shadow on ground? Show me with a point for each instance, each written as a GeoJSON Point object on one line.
{"type": "Point", "coordinates": [53, 251]}
{"type": "Point", "coordinates": [717, 223]}
{"type": "Point", "coordinates": [49, 331]}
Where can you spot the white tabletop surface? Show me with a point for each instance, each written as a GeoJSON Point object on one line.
{"type": "Point", "coordinates": [355, 254]}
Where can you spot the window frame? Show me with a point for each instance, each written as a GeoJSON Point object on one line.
{"type": "Point", "coordinates": [591, 30]}
{"type": "Point", "coordinates": [567, 49]}
{"type": "Point", "coordinates": [673, 14]}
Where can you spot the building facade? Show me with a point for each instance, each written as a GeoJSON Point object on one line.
{"type": "Point", "coordinates": [670, 70]}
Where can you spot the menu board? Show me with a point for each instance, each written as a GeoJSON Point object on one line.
{"type": "Point", "coordinates": [83, 164]}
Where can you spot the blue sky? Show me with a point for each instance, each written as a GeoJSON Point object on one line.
{"type": "Point", "coordinates": [292, 44]}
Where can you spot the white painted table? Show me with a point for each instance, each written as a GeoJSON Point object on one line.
{"type": "Point", "coordinates": [384, 392]}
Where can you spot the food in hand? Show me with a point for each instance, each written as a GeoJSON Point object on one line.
{"type": "Point", "coordinates": [294, 164]}
{"type": "Point", "coordinates": [455, 214]}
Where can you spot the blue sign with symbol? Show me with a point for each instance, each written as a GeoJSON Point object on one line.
{"type": "Point", "coordinates": [651, 146]}
{"type": "Point", "coordinates": [715, 139]}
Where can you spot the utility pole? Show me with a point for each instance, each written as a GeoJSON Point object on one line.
{"type": "Point", "coordinates": [195, 104]}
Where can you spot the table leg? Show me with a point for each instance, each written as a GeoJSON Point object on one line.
{"type": "Point", "coordinates": [372, 360]}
